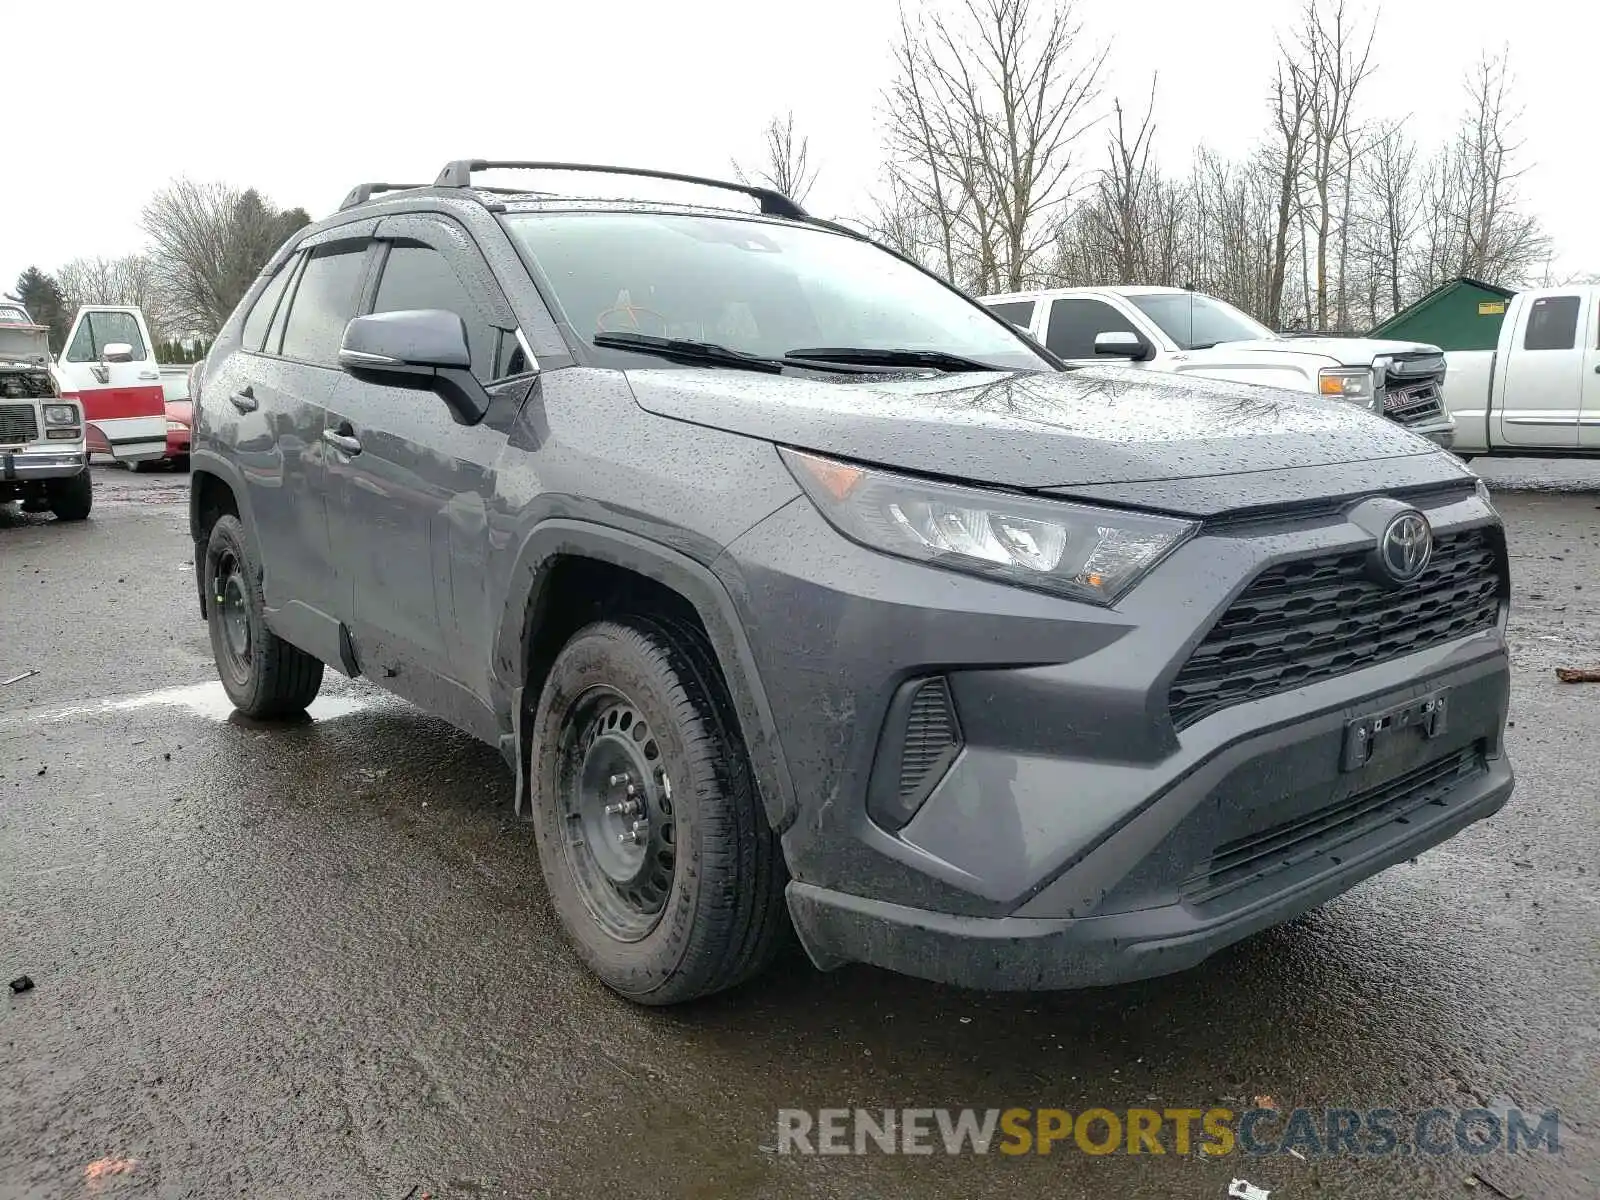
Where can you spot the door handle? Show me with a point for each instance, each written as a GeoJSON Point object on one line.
{"type": "Point", "coordinates": [244, 400]}
{"type": "Point", "coordinates": [149, 374]}
{"type": "Point", "coordinates": [343, 442]}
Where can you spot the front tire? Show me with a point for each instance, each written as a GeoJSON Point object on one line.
{"type": "Point", "coordinates": [71, 499]}
{"type": "Point", "coordinates": [263, 675]}
{"type": "Point", "coordinates": [655, 849]}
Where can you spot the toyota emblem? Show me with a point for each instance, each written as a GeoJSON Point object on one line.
{"type": "Point", "coordinates": [1405, 547]}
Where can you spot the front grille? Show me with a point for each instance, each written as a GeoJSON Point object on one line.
{"type": "Point", "coordinates": [1248, 859]}
{"type": "Point", "coordinates": [1316, 618]}
{"type": "Point", "coordinates": [1413, 403]}
{"type": "Point", "coordinates": [931, 737]}
{"type": "Point", "coordinates": [18, 424]}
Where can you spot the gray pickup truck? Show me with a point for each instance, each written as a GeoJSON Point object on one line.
{"type": "Point", "coordinates": [43, 459]}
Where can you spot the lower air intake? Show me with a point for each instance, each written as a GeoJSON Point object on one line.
{"type": "Point", "coordinates": [921, 738]}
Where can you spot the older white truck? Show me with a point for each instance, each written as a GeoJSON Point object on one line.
{"type": "Point", "coordinates": [44, 461]}
{"type": "Point", "coordinates": [1173, 329]}
{"type": "Point", "coordinates": [1537, 394]}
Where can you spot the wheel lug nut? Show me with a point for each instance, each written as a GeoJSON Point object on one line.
{"type": "Point", "coordinates": [623, 778]}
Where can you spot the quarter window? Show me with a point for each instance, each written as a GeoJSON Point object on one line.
{"type": "Point", "coordinates": [255, 325]}
{"type": "Point", "coordinates": [1075, 323]}
{"type": "Point", "coordinates": [324, 302]}
{"type": "Point", "coordinates": [1552, 324]}
{"type": "Point", "coordinates": [417, 276]}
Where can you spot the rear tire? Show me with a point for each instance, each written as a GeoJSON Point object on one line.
{"type": "Point", "coordinates": [71, 499]}
{"type": "Point", "coordinates": [263, 675]}
{"type": "Point", "coordinates": [682, 895]}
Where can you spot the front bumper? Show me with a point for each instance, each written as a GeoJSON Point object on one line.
{"type": "Point", "coordinates": [30, 465]}
{"type": "Point", "coordinates": [1440, 430]}
{"type": "Point", "coordinates": [1076, 836]}
{"type": "Point", "coordinates": [1173, 932]}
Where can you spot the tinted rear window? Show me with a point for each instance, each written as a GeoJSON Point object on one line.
{"type": "Point", "coordinates": [1552, 324]}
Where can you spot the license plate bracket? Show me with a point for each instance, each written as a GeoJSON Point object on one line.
{"type": "Point", "coordinates": [1425, 714]}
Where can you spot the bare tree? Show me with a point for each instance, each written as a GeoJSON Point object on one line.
{"type": "Point", "coordinates": [127, 280]}
{"type": "Point", "coordinates": [1336, 60]}
{"type": "Point", "coordinates": [787, 166]}
{"type": "Point", "coordinates": [1392, 187]}
{"type": "Point", "coordinates": [983, 120]}
{"type": "Point", "coordinates": [1498, 242]}
{"type": "Point", "coordinates": [1290, 104]}
{"type": "Point", "coordinates": [208, 243]}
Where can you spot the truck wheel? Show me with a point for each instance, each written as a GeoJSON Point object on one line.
{"type": "Point", "coordinates": [71, 499]}
{"type": "Point", "coordinates": [655, 849]}
{"type": "Point", "coordinates": [263, 675]}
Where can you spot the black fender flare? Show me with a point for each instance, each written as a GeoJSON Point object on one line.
{"type": "Point", "coordinates": [689, 578]}
{"type": "Point", "coordinates": [204, 462]}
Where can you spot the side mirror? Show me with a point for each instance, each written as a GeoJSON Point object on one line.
{"type": "Point", "coordinates": [423, 348]}
{"type": "Point", "coordinates": [118, 352]}
{"type": "Point", "coordinates": [1122, 344]}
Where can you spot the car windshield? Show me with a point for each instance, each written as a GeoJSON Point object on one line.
{"type": "Point", "coordinates": [754, 286]}
{"type": "Point", "coordinates": [1195, 321]}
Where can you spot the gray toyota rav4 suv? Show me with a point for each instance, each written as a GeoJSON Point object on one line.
{"type": "Point", "coordinates": [801, 593]}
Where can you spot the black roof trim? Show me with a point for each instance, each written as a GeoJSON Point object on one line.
{"type": "Point", "coordinates": [458, 174]}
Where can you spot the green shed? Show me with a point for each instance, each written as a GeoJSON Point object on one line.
{"type": "Point", "coordinates": [1463, 314]}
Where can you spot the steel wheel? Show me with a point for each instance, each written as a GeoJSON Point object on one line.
{"type": "Point", "coordinates": [232, 598]}
{"type": "Point", "coordinates": [615, 800]}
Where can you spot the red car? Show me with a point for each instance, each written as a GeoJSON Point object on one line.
{"type": "Point", "coordinates": [180, 414]}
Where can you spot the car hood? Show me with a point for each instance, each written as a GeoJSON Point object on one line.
{"type": "Point", "coordinates": [27, 344]}
{"type": "Point", "coordinates": [1348, 352]}
{"type": "Point", "coordinates": [1097, 427]}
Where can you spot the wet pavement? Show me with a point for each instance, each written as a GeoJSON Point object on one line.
{"type": "Point", "coordinates": [318, 961]}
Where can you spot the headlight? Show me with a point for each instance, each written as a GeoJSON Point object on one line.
{"type": "Point", "coordinates": [1074, 550]}
{"type": "Point", "coordinates": [1349, 383]}
{"type": "Point", "coordinates": [60, 414]}
{"type": "Point", "coordinates": [176, 427]}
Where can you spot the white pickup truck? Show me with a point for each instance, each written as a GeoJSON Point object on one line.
{"type": "Point", "coordinates": [1537, 394]}
{"type": "Point", "coordinates": [1172, 329]}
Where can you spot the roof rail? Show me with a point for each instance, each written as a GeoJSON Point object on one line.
{"type": "Point", "coordinates": [458, 174]}
{"type": "Point", "coordinates": [363, 192]}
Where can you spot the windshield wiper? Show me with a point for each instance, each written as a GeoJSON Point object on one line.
{"type": "Point", "coordinates": [866, 356]}
{"type": "Point", "coordinates": [685, 350]}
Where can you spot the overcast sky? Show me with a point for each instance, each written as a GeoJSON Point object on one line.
{"type": "Point", "coordinates": [303, 98]}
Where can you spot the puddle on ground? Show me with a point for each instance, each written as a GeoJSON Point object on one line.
{"type": "Point", "coordinates": [203, 699]}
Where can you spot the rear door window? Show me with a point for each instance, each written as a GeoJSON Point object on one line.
{"type": "Point", "coordinates": [1076, 322]}
{"type": "Point", "coordinates": [1552, 324]}
{"type": "Point", "coordinates": [324, 302]}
